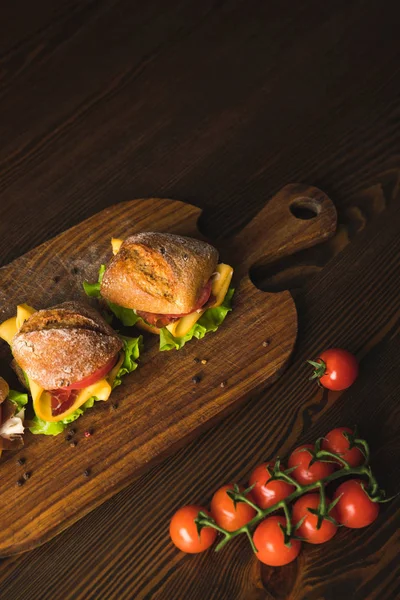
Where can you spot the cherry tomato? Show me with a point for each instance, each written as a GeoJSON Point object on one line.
{"type": "Point", "coordinates": [336, 442]}
{"type": "Point", "coordinates": [224, 512]}
{"type": "Point", "coordinates": [96, 376]}
{"type": "Point", "coordinates": [270, 543]}
{"type": "Point", "coordinates": [305, 474]}
{"type": "Point", "coordinates": [355, 509]}
{"type": "Point", "coordinates": [337, 369]}
{"type": "Point", "coordinates": [265, 492]}
{"type": "Point", "coordinates": [308, 529]}
{"type": "Point", "coordinates": [183, 530]}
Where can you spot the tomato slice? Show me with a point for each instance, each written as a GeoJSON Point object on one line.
{"type": "Point", "coordinates": [90, 379]}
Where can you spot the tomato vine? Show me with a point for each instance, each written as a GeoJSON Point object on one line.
{"type": "Point", "coordinates": [371, 488]}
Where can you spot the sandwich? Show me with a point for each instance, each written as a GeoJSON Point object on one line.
{"type": "Point", "coordinates": [69, 358]}
{"type": "Point", "coordinates": [12, 413]}
{"type": "Point", "coordinates": [170, 285]}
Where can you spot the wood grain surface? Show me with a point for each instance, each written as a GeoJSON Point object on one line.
{"type": "Point", "coordinates": [220, 103]}
{"type": "Point", "coordinates": [159, 406]}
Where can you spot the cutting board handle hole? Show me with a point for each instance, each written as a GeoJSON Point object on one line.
{"type": "Point", "coordinates": [305, 208]}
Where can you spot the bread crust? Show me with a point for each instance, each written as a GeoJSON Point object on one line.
{"type": "Point", "coordinates": [159, 273]}
{"type": "Point", "coordinates": [62, 345]}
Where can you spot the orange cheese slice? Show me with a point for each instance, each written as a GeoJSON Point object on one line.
{"type": "Point", "coordinates": [116, 244]}
{"type": "Point", "coordinates": [10, 327]}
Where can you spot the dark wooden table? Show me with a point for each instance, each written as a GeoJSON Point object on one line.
{"type": "Point", "coordinates": [220, 104]}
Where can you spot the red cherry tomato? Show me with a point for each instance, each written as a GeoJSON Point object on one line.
{"type": "Point", "coordinates": [355, 509]}
{"type": "Point", "coordinates": [265, 492]}
{"type": "Point", "coordinates": [336, 442]}
{"type": "Point", "coordinates": [224, 512]}
{"type": "Point", "coordinates": [308, 529]}
{"type": "Point", "coordinates": [96, 376]}
{"type": "Point", "coordinates": [183, 530]}
{"type": "Point", "coordinates": [336, 369]}
{"type": "Point", "coordinates": [305, 473]}
{"type": "Point", "coordinates": [270, 543]}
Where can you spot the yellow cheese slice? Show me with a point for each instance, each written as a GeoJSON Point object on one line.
{"type": "Point", "coordinates": [23, 313]}
{"type": "Point", "coordinates": [219, 288]}
{"type": "Point", "coordinates": [42, 404]}
{"type": "Point", "coordinates": [116, 244]}
{"type": "Point", "coordinates": [35, 389]}
{"type": "Point", "coordinates": [220, 284]}
{"type": "Point", "coordinates": [182, 326]}
{"type": "Point", "coordinates": [10, 327]}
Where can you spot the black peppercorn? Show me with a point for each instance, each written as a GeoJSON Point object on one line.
{"type": "Point", "coordinates": [20, 482]}
{"type": "Point", "coordinates": [73, 443]}
{"type": "Point", "coordinates": [196, 379]}
{"type": "Point", "coordinates": [196, 360]}
{"type": "Point", "coordinates": [86, 472]}
{"type": "Point", "coordinates": [68, 438]}
{"type": "Point", "coordinates": [21, 461]}
{"type": "Point", "coordinates": [72, 431]}
{"type": "Point", "coordinates": [27, 475]}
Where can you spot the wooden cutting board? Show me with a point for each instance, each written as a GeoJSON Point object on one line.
{"type": "Point", "coordinates": [159, 407]}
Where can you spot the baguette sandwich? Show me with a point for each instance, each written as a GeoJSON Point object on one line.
{"type": "Point", "coordinates": [12, 413]}
{"type": "Point", "coordinates": [170, 285]}
{"type": "Point", "coordinates": [68, 357]}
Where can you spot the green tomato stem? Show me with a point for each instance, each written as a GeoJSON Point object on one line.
{"type": "Point", "coordinates": [288, 518]}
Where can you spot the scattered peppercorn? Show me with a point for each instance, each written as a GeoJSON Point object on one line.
{"type": "Point", "coordinates": [21, 461]}
{"type": "Point", "coordinates": [86, 472]}
{"type": "Point", "coordinates": [20, 482]}
{"type": "Point", "coordinates": [114, 406]}
{"type": "Point", "coordinates": [72, 431]}
{"type": "Point", "coordinates": [196, 379]}
{"type": "Point", "coordinates": [26, 475]}
{"type": "Point", "coordinates": [204, 361]}
{"type": "Point", "coordinates": [266, 343]}
{"type": "Point", "coordinates": [196, 360]}
{"type": "Point", "coordinates": [222, 384]}
{"type": "Point", "coordinates": [68, 437]}
{"type": "Point", "coordinates": [73, 443]}
{"type": "Point", "coordinates": [88, 433]}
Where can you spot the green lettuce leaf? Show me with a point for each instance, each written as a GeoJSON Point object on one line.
{"type": "Point", "coordinates": [18, 398]}
{"type": "Point", "coordinates": [127, 316]}
{"type": "Point", "coordinates": [93, 289]}
{"type": "Point", "coordinates": [209, 321]}
{"type": "Point", "coordinates": [39, 426]}
{"type": "Point", "coordinates": [131, 348]}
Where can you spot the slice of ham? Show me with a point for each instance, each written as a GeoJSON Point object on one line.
{"type": "Point", "coordinates": [61, 400]}
{"type": "Point", "coordinates": [161, 320]}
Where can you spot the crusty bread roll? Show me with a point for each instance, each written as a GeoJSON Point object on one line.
{"type": "Point", "coordinates": [159, 273]}
{"type": "Point", "coordinates": [62, 345]}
